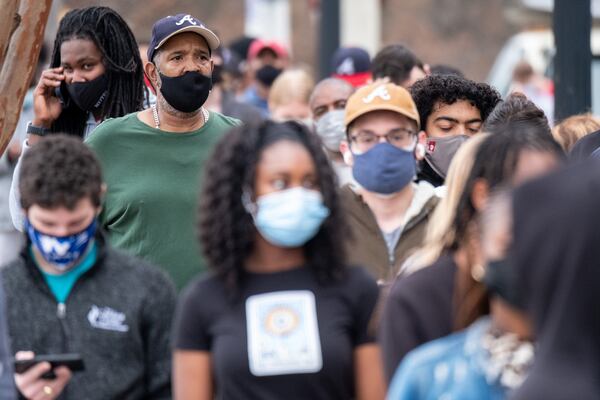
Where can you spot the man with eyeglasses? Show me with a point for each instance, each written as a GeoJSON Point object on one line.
{"type": "Point", "coordinates": [387, 212]}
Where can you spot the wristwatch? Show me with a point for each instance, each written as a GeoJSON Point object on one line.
{"type": "Point", "coordinates": [36, 130]}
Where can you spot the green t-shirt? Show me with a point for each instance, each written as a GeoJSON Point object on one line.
{"type": "Point", "coordinates": [154, 179]}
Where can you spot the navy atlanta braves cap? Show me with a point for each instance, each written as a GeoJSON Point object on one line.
{"type": "Point", "coordinates": [167, 27]}
{"type": "Point", "coordinates": [350, 61]}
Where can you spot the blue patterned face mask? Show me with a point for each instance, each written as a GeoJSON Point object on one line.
{"type": "Point", "coordinates": [288, 218]}
{"type": "Point", "coordinates": [61, 251]}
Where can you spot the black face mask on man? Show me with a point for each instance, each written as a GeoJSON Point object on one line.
{"type": "Point", "coordinates": [187, 92]}
{"type": "Point", "coordinates": [90, 95]}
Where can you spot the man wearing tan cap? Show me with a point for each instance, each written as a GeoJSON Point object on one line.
{"type": "Point", "coordinates": [153, 160]}
{"type": "Point", "coordinates": [388, 213]}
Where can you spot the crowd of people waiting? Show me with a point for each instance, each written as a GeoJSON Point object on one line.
{"type": "Point", "coordinates": [210, 223]}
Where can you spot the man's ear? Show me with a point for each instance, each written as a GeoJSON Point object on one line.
{"type": "Point", "coordinates": [346, 153]}
{"type": "Point", "coordinates": [151, 72]}
{"type": "Point", "coordinates": [421, 145]}
{"type": "Point", "coordinates": [480, 194]}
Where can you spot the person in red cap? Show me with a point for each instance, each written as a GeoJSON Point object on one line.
{"type": "Point", "coordinates": [266, 60]}
{"type": "Point", "coordinates": [153, 159]}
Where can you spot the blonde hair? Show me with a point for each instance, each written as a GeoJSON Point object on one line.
{"type": "Point", "coordinates": [441, 230]}
{"type": "Point", "coordinates": [291, 85]}
{"type": "Point", "coordinates": [569, 131]}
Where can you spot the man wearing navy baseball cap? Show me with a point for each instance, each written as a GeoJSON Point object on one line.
{"type": "Point", "coordinates": [153, 159]}
{"type": "Point", "coordinates": [353, 65]}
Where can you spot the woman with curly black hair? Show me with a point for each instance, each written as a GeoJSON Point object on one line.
{"type": "Point", "coordinates": [451, 109]}
{"type": "Point", "coordinates": [281, 316]}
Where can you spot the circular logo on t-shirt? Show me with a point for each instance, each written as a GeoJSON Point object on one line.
{"type": "Point", "coordinates": [281, 321]}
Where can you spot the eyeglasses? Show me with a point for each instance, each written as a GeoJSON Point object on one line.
{"type": "Point", "coordinates": [400, 137]}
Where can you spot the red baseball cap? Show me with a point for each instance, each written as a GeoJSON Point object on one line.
{"type": "Point", "coordinates": [259, 45]}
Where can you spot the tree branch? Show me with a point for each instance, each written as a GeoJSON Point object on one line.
{"type": "Point", "coordinates": [23, 49]}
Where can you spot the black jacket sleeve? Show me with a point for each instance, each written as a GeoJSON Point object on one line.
{"type": "Point", "coordinates": [399, 330]}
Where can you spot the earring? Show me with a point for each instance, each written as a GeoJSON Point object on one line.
{"type": "Point", "coordinates": [478, 272]}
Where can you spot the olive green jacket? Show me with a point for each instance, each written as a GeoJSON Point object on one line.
{"type": "Point", "coordinates": [366, 246]}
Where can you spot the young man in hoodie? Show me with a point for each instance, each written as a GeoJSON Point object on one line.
{"type": "Point", "coordinates": [451, 110]}
{"type": "Point", "coordinates": [387, 212]}
{"type": "Point", "coordinates": [71, 292]}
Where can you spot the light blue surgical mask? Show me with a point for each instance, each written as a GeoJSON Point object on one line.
{"type": "Point", "coordinates": [61, 251]}
{"type": "Point", "coordinates": [288, 218]}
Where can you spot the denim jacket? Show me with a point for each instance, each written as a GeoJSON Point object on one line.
{"type": "Point", "coordinates": [454, 367]}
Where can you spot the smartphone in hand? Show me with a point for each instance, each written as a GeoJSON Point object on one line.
{"type": "Point", "coordinates": [62, 94]}
{"type": "Point", "coordinates": [72, 361]}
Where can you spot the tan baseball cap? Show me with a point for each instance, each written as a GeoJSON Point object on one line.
{"type": "Point", "coordinates": [381, 96]}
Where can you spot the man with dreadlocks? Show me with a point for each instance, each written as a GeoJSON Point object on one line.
{"type": "Point", "coordinates": [153, 159]}
{"type": "Point", "coordinates": [95, 73]}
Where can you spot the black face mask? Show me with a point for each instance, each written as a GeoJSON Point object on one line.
{"type": "Point", "coordinates": [501, 281]}
{"type": "Point", "coordinates": [217, 74]}
{"type": "Point", "coordinates": [186, 93]}
{"type": "Point", "coordinates": [90, 95]}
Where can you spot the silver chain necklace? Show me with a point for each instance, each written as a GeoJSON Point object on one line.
{"type": "Point", "coordinates": [205, 116]}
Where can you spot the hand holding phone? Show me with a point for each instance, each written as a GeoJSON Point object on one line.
{"type": "Point", "coordinates": [31, 382]}
{"type": "Point", "coordinates": [46, 105]}
{"type": "Point", "coordinates": [72, 361]}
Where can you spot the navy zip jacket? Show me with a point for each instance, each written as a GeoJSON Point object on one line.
{"type": "Point", "coordinates": [118, 317]}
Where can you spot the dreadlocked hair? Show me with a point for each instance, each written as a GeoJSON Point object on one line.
{"type": "Point", "coordinates": [120, 56]}
{"type": "Point", "coordinates": [226, 229]}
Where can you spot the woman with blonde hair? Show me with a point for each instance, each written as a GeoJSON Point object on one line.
{"type": "Point", "coordinates": [441, 234]}
{"type": "Point", "coordinates": [290, 94]}
{"type": "Point", "coordinates": [569, 131]}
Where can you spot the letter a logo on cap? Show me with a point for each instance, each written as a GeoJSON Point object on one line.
{"type": "Point", "coordinates": [379, 91]}
{"type": "Point", "coordinates": [346, 67]}
{"type": "Point", "coordinates": [187, 18]}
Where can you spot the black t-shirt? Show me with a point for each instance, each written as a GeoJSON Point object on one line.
{"type": "Point", "coordinates": [301, 334]}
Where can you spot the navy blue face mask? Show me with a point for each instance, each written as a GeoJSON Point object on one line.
{"type": "Point", "coordinates": [384, 169]}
